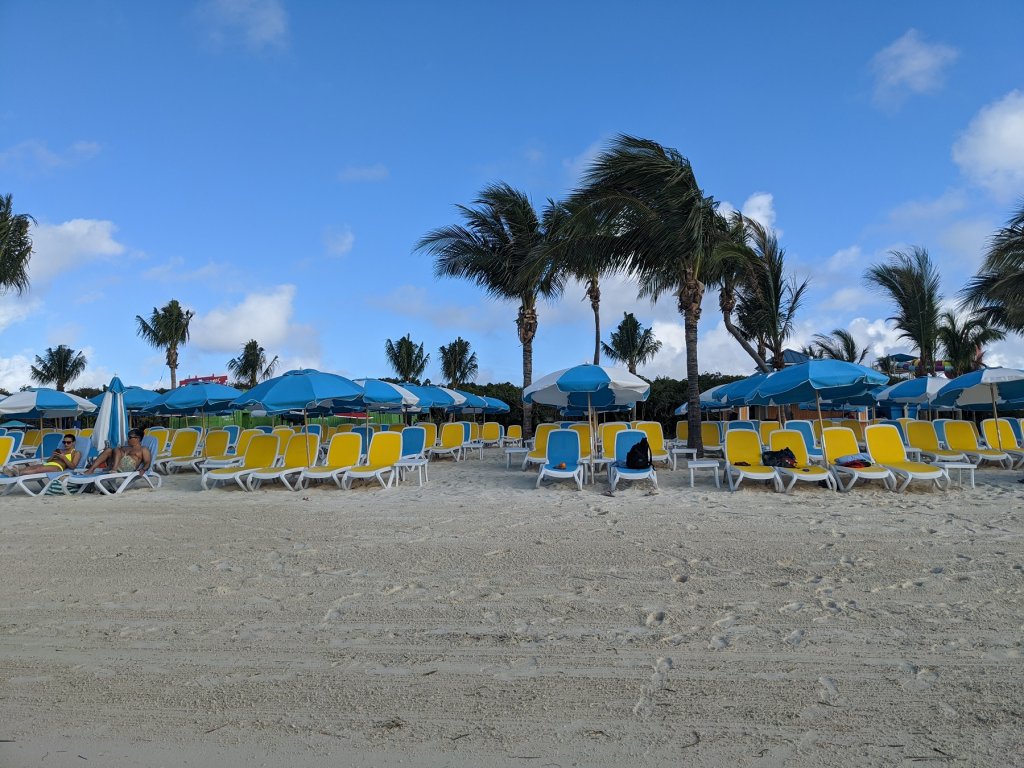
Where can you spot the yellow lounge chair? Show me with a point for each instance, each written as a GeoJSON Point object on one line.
{"type": "Point", "coordinates": [962, 436]}
{"type": "Point", "coordinates": [453, 435]}
{"type": "Point", "coordinates": [804, 470]}
{"type": "Point", "coordinates": [682, 431]}
{"type": "Point", "coordinates": [491, 434]}
{"type": "Point", "coordinates": [765, 429]}
{"type": "Point", "coordinates": [342, 454]}
{"type": "Point", "coordinates": [430, 439]}
{"type": "Point", "coordinates": [711, 437]}
{"type": "Point", "coordinates": [162, 435]}
{"type": "Point", "coordinates": [184, 447]}
{"type": "Point", "coordinates": [261, 452]}
{"type": "Point", "coordinates": [743, 460]}
{"type": "Point", "coordinates": [655, 439]}
{"type": "Point", "coordinates": [384, 452]}
{"type": "Point", "coordinates": [999, 436]}
{"type": "Point", "coordinates": [922, 436]}
{"type": "Point", "coordinates": [216, 444]}
{"type": "Point", "coordinates": [213, 461]}
{"type": "Point", "coordinates": [838, 442]}
{"type": "Point", "coordinates": [856, 427]}
{"type": "Point", "coordinates": [301, 454]}
{"type": "Point", "coordinates": [885, 447]}
{"type": "Point", "coordinates": [539, 454]}
{"type": "Point", "coordinates": [513, 435]}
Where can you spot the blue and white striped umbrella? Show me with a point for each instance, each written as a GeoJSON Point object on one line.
{"type": "Point", "coordinates": [707, 402]}
{"type": "Point", "coordinates": [111, 428]}
{"type": "Point", "coordinates": [988, 387]}
{"type": "Point", "coordinates": [920, 391]}
{"type": "Point", "coordinates": [737, 393]}
{"type": "Point", "coordinates": [588, 386]}
{"type": "Point", "coordinates": [135, 398]}
{"type": "Point", "coordinates": [818, 380]}
{"type": "Point", "coordinates": [378, 395]}
{"type": "Point", "coordinates": [464, 401]}
{"type": "Point", "coordinates": [44, 403]}
{"type": "Point", "coordinates": [491, 405]}
{"type": "Point", "coordinates": [429, 395]}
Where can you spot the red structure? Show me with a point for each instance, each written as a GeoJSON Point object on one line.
{"type": "Point", "coordinates": [204, 380]}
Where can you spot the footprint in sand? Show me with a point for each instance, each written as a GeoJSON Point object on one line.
{"type": "Point", "coordinates": [718, 643]}
{"type": "Point", "coordinates": [655, 619]}
{"type": "Point", "coordinates": [795, 637]}
{"type": "Point", "coordinates": [680, 578]}
{"type": "Point", "coordinates": [829, 692]}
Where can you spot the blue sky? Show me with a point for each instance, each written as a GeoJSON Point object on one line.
{"type": "Point", "coordinates": [271, 164]}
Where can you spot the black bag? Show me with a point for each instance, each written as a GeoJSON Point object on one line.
{"type": "Point", "coordinates": [639, 456]}
{"type": "Point", "coordinates": [783, 458]}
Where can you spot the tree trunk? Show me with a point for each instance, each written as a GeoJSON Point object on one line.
{"type": "Point", "coordinates": [690, 297]}
{"type": "Point", "coordinates": [727, 303]}
{"type": "Point", "coordinates": [594, 292]}
{"type": "Point", "coordinates": [172, 364]}
{"type": "Point", "coordinates": [526, 323]}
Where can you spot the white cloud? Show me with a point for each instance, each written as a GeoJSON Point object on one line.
{"type": "Point", "coordinates": [850, 298]}
{"type": "Point", "coordinates": [760, 207]}
{"type": "Point", "coordinates": [917, 211]}
{"type": "Point", "coordinates": [378, 172]}
{"type": "Point", "coordinates": [15, 372]}
{"type": "Point", "coordinates": [266, 317]}
{"type": "Point", "coordinates": [173, 271]}
{"type": "Point", "coordinates": [259, 23]}
{"type": "Point", "coordinates": [71, 245]}
{"type": "Point", "coordinates": [482, 316]}
{"type": "Point", "coordinates": [842, 259]}
{"type": "Point", "coordinates": [35, 155]}
{"type": "Point", "coordinates": [339, 242]}
{"type": "Point", "coordinates": [910, 65]}
{"type": "Point", "coordinates": [966, 241]}
{"type": "Point", "coordinates": [990, 152]}
{"type": "Point", "coordinates": [1008, 353]}
{"type": "Point", "coordinates": [13, 309]}
{"type": "Point", "coordinates": [878, 335]}
{"type": "Point", "coordinates": [576, 166]}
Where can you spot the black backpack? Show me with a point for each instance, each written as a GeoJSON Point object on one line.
{"type": "Point", "coordinates": [783, 458]}
{"type": "Point", "coordinates": [639, 456]}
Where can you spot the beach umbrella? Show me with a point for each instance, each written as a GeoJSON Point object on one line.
{"type": "Point", "coordinates": [736, 393]}
{"type": "Point", "coordinates": [588, 386]}
{"type": "Point", "coordinates": [920, 391]}
{"type": "Point", "coordinates": [377, 392]}
{"type": "Point", "coordinates": [979, 389]}
{"type": "Point", "coordinates": [201, 397]}
{"type": "Point", "coordinates": [429, 395]}
{"type": "Point", "coordinates": [708, 401]}
{"type": "Point", "coordinates": [111, 428]}
{"type": "Point", "coordinates": [44, 403]}
{"type": "Point", "coordinates": [15, 424]}
{"type": "Point", "coordinates": [464, 401]}
{"type": "Point", "coordinates": [818, 380]}
{"type": "Point", "coordinates": [490, 405]}
{"type": "Point", "coordinates": [135, 398]}
{"type": "Point", "coordinates": [303, 389]}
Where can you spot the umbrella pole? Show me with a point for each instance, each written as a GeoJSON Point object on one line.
{"type": "Point", "coordinates": [821, 422]}
{"type": "Point", "coordinates": [305, 436]}
{"type": "Point", "coordinates": [995, 416]}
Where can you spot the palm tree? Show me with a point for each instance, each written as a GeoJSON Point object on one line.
{"type": "Point", "coordinates": [768, 300]}
{"type": "Point", "coordinates": [995, 292]}
{"type": "Point", "coordinates": [496, 249]}
{"type": "Point", "coordinates": [735, 263]}
{"type": "Point", "coordinates": [458, 363]}
{"type": "Point", "coordinates": [574, 234]}
{"type": "Point", "coordinates": [251, 366]}
{"type": "Point", "coordinates": [58, 366]}
{"type": "Point", "coordinates": [839, 345]}
{"type": "Point", "coordinates": [15, 247]}
{"type": "Point", "coordinates": [964, 340]}
{"type": "Point", "coordinates": [167, 329]}
{"type": "Point", "coordinates": [911, 282]}
{"type": "Point", "coordinates": [666, 233]}
{"type": "Point", "coordinates": [631, 343]}
{"type": "Point", "coordinates": [406, 358]}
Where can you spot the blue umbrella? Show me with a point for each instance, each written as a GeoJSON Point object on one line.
{"type": "Point", "coordinates": [737, 393]}
{"type": "Point", "coordinates": [384, 393]}
{"type": "Point", "coordinates": [490, 405]}
{"type": "Point", "coordinates": [44, 403]}
{"type": "Point", "coordinates": [192, 399]}
{"type": "Point", "coordinates": [588, 386]}
{"type": "Point", "coordinates": [111, 428]}
{"type": "Point", "coordinates": [299, 390]}
{"type": "Point", "coordinates": [429, 395]}
{"type": "Point", "coordinates": [708, 401]}
{"type": "Point", "coordinates": [919, 391]}
{"type": "Point", "coordinates": [15, 424]}
{"type": "Point", "coordinates": [135, 398]}
{"type": "Point", "coordinates": [464, 401]}
{"type": "Point", "coordinates": [986, 387]}
{"type": "Point", "coordinates": [817, 379]}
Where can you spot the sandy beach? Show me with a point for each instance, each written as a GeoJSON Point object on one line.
{"type": "Point", "coordinates": [479, 622]}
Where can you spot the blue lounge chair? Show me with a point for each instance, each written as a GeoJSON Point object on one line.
{"type": "Point", "coordinates": [563, 460]}
{"type": "Point", "coordinates": [618, 470]}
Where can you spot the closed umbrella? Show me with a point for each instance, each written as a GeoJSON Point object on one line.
{"type": "Point", "coordinates": [111, 428]}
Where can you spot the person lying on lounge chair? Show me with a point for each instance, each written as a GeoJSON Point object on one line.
{"type": "Point", "coordinates": [125, 458]}
{"type": "Point", "coordinates": [65, 457]}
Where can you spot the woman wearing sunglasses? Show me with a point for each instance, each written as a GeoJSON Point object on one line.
{"type": "Point", "coordinates": [64, 458]}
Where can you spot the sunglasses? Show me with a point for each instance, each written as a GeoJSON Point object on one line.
{"type": "Point", "coordinates": [67, 442]}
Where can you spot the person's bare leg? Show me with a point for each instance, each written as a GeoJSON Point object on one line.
{"type": "Point", "coordinates": [101, 461]}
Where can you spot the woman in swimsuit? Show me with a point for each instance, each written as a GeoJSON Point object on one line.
{"type": "Point", "coordinates": [125, 458]}
{"type": "Point", "coordinates": [64, 458]}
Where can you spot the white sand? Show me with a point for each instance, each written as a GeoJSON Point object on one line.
{"type": "Point", "coordinates": [480, 622]}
